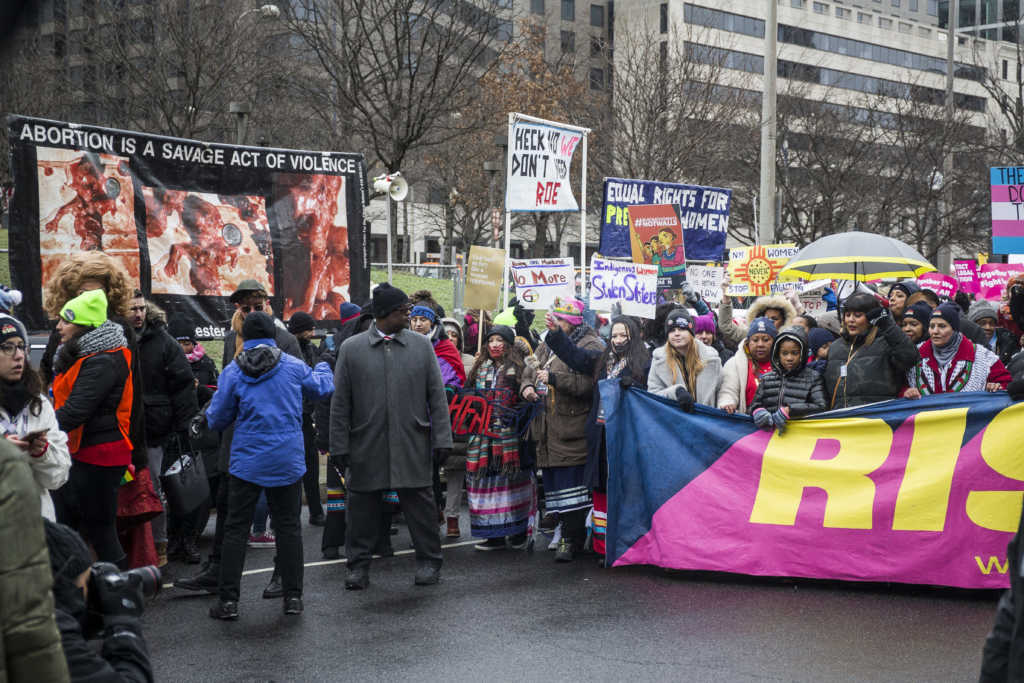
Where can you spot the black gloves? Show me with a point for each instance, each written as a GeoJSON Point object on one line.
{"type": "Point", "coordinates": [197, 424]}
{"type": "Point", "coordinates": [684, 399]}
{"type": "Point", "coordinates": [876, 315]}
{"type": "Point", "coordinates": [339, 461]}
{"type": "Point", "coordinates": [119, 597]}
{"type": "Point", "coordinates": [1016, 389]}
{"type": "Point", "coordinates": [626, 380]}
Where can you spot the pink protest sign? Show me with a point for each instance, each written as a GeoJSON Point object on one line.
{"type": "Point", "coordinates": [967, 276]}
{"type": "Point", "coordinates": [943, 285]}
{"type": "Point", "coordinates": [993, 278]}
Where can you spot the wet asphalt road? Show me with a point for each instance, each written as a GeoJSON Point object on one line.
{"type": "Point", "coordinates": [513, 616]}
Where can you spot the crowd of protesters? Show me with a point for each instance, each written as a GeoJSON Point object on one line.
{"type": "Point", "coordinates": [123, 392]}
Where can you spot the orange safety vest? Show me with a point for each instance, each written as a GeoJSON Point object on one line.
{"type": "Point", "coordinates": [63, 383]}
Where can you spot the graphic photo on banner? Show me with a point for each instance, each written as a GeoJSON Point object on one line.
{"type": "Point", "coordinates": [633, 285]}
{"type": "Point", "coordinates": [540, 157]}
{"type": "Point", "coordinates": [940, 283]}
{"type": "Point", "coordinates": [188, 220]}
{"type": "Point", "coordinates": [1007, 187]}
{"type": "Point", "coordinates": [754, 271]}
{"type": "Point", "coordinates": [201, 243]}
{"type": "Point", "coordinates": [86, 203]}
{"type": "Point", "coordinates": [703, 214]}
{"type": "Point", "coordinates": [317, 262]}
{"type": "Point", "coordinates": [656, 238]}
{"type": "Point", "coordinates": [539, 282]}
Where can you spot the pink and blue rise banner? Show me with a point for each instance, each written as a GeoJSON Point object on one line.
{"type": "Point", "coordinates": [1007, 209]}
{"type": "Point", "coordinates": [922, 492]}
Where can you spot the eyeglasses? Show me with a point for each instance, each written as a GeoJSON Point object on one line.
{"type": "Point", "coordinates": [250, 309]}
{"type": "Point", "coordinates": [10, 349]}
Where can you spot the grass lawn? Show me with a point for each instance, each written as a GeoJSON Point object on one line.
{"type": "Point", "coordinates": [443, 289]}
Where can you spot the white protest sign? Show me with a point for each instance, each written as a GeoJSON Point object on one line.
{"type": "Point", "coordinates": [707, 281]}
{"type": "Point", "coordinates": [540, 281]}
{"type": "Point", "coordinates": [812, 286]}
{"type": "Point", "coordinates": [813, 305]}
{"type": "Point", "coordinates": [634, 285]}
{"type": "Point", "coordinates": [539, 159]}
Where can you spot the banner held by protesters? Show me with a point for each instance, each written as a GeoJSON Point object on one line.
{"type": "Point", "coordinates": [703, 213]}
{"type": "Point", "coordinates": [925, 492]}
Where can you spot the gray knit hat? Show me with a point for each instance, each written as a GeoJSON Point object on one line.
{"type": "Point", "coordinates": [981, 309]}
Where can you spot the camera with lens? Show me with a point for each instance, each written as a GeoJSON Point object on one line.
{"type": "Point", "coordinates": [114, 594]}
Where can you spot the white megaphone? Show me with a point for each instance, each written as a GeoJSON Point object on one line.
{"type": "Point", "coordinates": [393, 184]}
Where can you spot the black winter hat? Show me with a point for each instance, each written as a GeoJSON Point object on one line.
{"type": "Point", "coordinates": [908, 287]}
{"type": "Point", "coordinates": [181, 329]}
{"type": "Point", "coordinates": [301, 322]}
{"type": "Point", "coordinates": [680, 318]}
{"type": "Point", "coordinates": [919, 311]}
{"type": "Point", "coordinates": [258, 325]}
{"type": "Point", "coordinates": [950, 313]}
{"type": "Point", "coordinates": [69, 555]}
{"type": "Point", "coordinates": [386, 299]}
{"type": "Point", "coordinates": [503, 331]}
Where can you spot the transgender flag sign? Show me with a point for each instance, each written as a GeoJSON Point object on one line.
{"type": "Point", "coordinates": [1007, 209]}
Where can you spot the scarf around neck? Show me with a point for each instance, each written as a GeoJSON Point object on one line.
{"type": "Point", "coordinates": [197, 353]}
{"type": "Point", "coordinates": [944, 354]}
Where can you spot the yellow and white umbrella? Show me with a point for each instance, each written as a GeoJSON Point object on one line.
{"type": "Point", "coordinates": [860, 256]}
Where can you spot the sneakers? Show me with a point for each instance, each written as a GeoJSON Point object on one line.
{"type": "Point", "coordinates": [453, 528]}
{"type": "Point", "coordinates": [264, 540]}
{"type": "Point", "coordinates": [225, 609]}
{"type": "Point", "coordinates": [491, 544]}
{"type": "Point", "coordinates": [293, 606]}
{"type": "Point", "coordinates": [273, 589]}
{"type": "Point", "coordinates": [427, 575]}
{"type": "Point", "coordinates": [357, 579]}
{"type": "Point", "coordinates": [207, 579]}
{"type": "Point", "coordinates": [564, 552]}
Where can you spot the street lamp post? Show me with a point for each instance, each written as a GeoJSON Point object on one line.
{"type": "Point", "coordinates": [766, 226]}
{"type": "Point", "coordinates": [242, 109]}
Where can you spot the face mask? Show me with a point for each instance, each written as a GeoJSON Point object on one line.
{"type": "Point", "coordinates": [496, 353]}
{"type": "Point", "coordinates": [620, 348]}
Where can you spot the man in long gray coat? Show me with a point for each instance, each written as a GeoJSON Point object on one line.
{"type": "Point", "coordinates": [389, 418]}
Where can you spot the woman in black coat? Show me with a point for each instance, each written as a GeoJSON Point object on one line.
{"type": "Point", "coordinates": [625, 358]}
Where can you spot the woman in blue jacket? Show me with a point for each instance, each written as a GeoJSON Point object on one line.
{"type": "Point", "coordinates": [261, 392]}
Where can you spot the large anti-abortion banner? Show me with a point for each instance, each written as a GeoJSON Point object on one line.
{"type": "Point", "coordinates": [924, 492]}
{"type": "Point", "coordinates": [1007, 186]}
{"type": "Point", "coordinates": [703, 212]}
{"type": "Point", "coordinates": [539, 160]}
{"type": "Point", "coordinates": [189, 220]}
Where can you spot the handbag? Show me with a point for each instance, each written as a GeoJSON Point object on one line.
{"type": "Point", "coordinates": [185, 484]}
{"type": "Point", "coordinates": [137, 502]}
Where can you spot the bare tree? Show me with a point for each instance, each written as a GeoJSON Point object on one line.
{"type": "Point", "coordinates": [173, 66]}
{"type": "Point", "coordinates": [392, 72]}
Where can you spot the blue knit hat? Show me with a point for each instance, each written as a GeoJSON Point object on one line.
{"type": "Point", "coordinates": [348, 310]}
{"type": "Point", "coordinates": [818, 337]}
{"type": "Point", "coordinates": [424, 312]}
{"type": "Point", "coordinates": [762, 326]}
{"type": "Point", "coordinates": [950, 313]}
